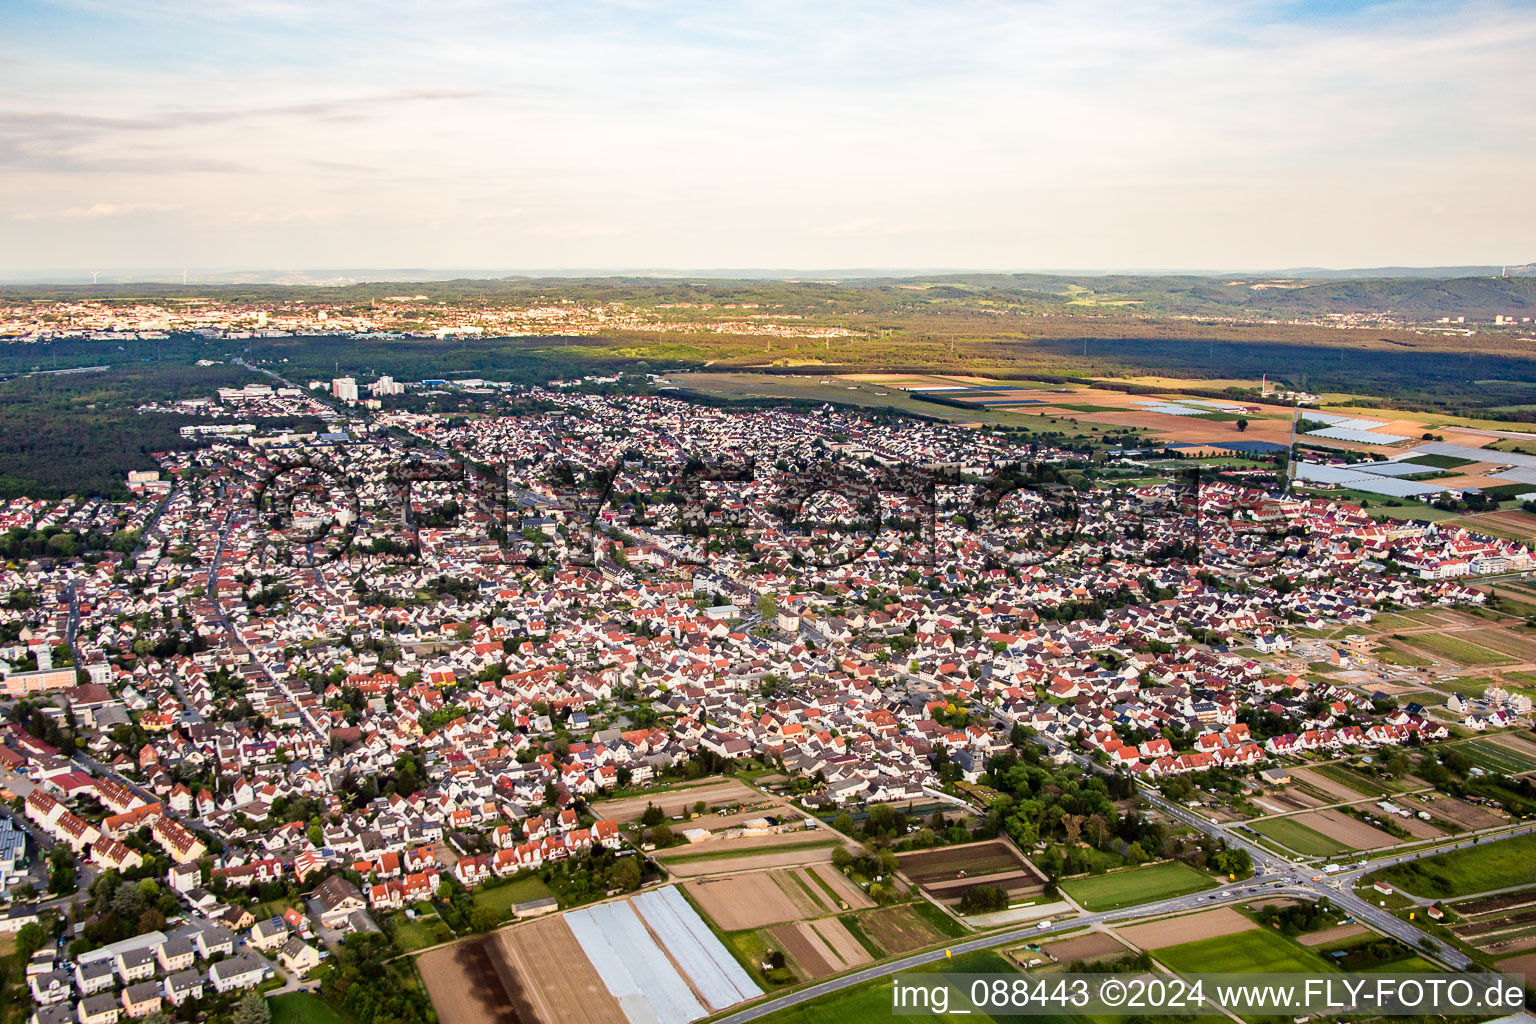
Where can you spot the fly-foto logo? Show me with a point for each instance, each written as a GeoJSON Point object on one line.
{"type": "Point", "coordinates": [820, 514]}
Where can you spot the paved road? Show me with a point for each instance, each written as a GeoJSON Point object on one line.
{"type": "Point", "coordinates": [1237, 892]}
{"type": "Point", "coordinates": [1273, 874]}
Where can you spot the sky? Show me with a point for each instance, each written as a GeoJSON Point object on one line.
{"type": "Point", "coordinates": [1053, 134]}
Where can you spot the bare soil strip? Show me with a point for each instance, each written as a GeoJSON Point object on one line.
{"type": "Point", "coordinates": [1173, 931]}
{"type": "Point", "coordinates": [1334, 934]}
{"type": "Point", "coordinates": [808, 953]}
{"type": "Point", "coordinates": [1351, 832]}
{"type": "Point", "coordinates": [841, 940]}
{"type": "Point", "coordinates": [1093, 946]}
{"type": "Point", "coordinates": [742, 901]}
{"type": "Point", "coordinates": [750, 862]}
{"type": "Point", "coordinates": [856, 898]}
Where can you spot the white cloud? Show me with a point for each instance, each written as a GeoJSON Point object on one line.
{"type": "Point", "coordinates": [94, 211]}
{"type": "Point", "coordinates": [780, 132]}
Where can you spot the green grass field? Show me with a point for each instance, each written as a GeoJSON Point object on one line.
{"type": "Point", "coordinates": [1463, 652]}
{"type": "Point", "coordinates": [304, 1008]}
{"type": "Point", "coordinates": [418, 934]}
{"type": "Point", "coordinates": [501, 897]}
{"type": "Point", "coordinates": [1137, 885]}
{"type": "Point", "coordinates": [1253, 952]}
{"type": "Point", "coordinates": [1496, 865]}
{"type": "Point", "coordinates": [1390, 655]}
{"type": "Point", "coordinates": [1408, 965]}
{"type": "Point", "coordinates": [870, 1003]}
{"type": "Point", "coordinates": [1298, 837]}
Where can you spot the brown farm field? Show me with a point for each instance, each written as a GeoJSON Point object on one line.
{"type": "Point", "coordinates": [1174, 931]}
{"type": "Point", "coordinates": [1337, 791]}
{"type": "Point", "coordinates": [950, 872]}
{"type": "Point", "coordinates": [748, 860]}
{"type": "Point", "coordinates": [898, 929]}
{"type": "Point", "coordinates": [821, 947]}
{"type": "Point", "coordinates": [1457, 812]}
{"type": "Point", "coordinates": [1092, 946]}
{"type": "Point", "coordinates": [1334, 934]}
{"type": "Point", "coordinates": [1351, 832]}
{"type": "Point", "coordinates": [747, 900]}
{"type": "Point", "coordinates": [680, 800]}
{"type": "Point", "coordinates": [845, 890]}
{"type": "Point", "coordinates": [529, 974]}
{"type": "Point", "coordinates": [1525, 964]}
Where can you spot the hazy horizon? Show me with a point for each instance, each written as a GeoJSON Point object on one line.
{"type": "Point", "coordinates": [1319, 133]}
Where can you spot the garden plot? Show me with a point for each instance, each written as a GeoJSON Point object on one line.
{"type": "Point", "coordinates": [821, 947]}
{"type": "Point", "coordinates": [950, 872]}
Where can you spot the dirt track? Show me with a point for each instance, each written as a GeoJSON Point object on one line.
{"type": "Point", "coordinates": [679, 800]}
{"type": "Point", "coordinates": [750, 862]}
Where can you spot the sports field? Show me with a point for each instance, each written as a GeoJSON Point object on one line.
{"type": "Point", "coordinates": [1136, 885]}
{"type": "Point", "coordinates": [1494, 865]}
{"type": "Point", "coordinates": [1298, 837]}
{"type": "Point", "coordinates": [1252, 952]}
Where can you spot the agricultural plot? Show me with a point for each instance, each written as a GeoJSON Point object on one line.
{"type": "Point", "coordinates": [1337, 933]}
{"type": "Point", "coordinates": [748, 900]}
{"type": "Point", "coordinates": [1517, 743]}
{"type": "Point", "coordinates": [1135, 886]}
{"type": "Point", "coordinates": [1175, 931]}
{"type": "Point", "coordinates": [1525, 964]}
{"type": "Point", "coordinates": [712, 856]}
{"type": "Point", "coordinates": [838, 888]}
{"type": "Point", "coordinates": [1254, 951]}
{"type": "Point", "coordinates": [633, 967]}
{"type": "Point", "coordinates": [1495, 865]}
{"type": "Point", "coordinates": [948, 873]}
{"type": "Point", "coordinates": [714, 973]}
{"type": "Point", "coordinates": [1499, 925]}
{"type": "Point", "coordinates": [1341, 783]}
{"type": "Point", "coordinates": [658, 958]}
{"type": "Point", "coordinates": [1506, 641]}
{"type": "Point", "coordinates": [1350, 832]}
{"type": "Point", "coordinates": [681, 800]}
{"type": "Point", "coordinates": [1454, 649]}
{"type": "Point", "coordinates": [898, 929]}
{"type": "Point", "coordinates": [1089, 946]}
{"type": "Point", "coordinates": [822, 947]}
{"type": "Point", "coordinates": [1492, 756]}
{"type": "Point", "coordinates": [524, 975]}
{"type": "Point", "coordinates": [1293, 834]}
